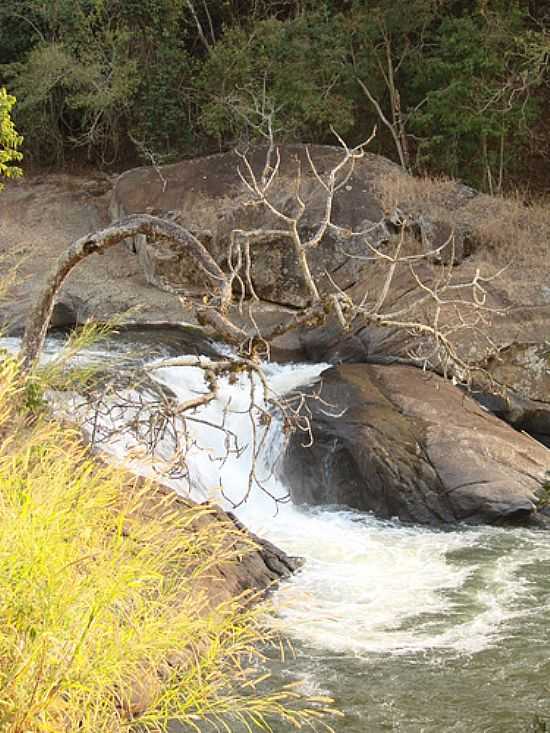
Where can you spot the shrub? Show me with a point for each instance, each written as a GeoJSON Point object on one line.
{"type": "Point", "coordinates": [295, 69]}
{"type": "Point", "coordinates": [10, 141]}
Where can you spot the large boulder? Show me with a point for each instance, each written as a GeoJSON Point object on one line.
{"type": "Point", "coordinates": [403, 443]}
{"type": "Point", "coordinates": [208, 196]}
{"type": "Point", "coordinates": [275, 271]}
{"type": "Point", "coordinates": [39, 218]}
{"type": "Point", "coordinates": [507, 348]}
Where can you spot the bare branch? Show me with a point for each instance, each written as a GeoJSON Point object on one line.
{"type": "Point", "coordinates": [99, 242]}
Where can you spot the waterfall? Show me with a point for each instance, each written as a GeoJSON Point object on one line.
{"type": "Point", "coordinates": [400, 588]}
{"type": "Point", "coordinates": [390, 583]}
{"type": "Point", "coordinates": [410, 628]}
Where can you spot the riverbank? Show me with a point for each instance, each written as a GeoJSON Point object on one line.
{"type": "Point", "coordinates": [120, 600]}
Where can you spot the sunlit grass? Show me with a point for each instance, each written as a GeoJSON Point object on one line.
{"type": "Point", "coordinates": [105, 619]}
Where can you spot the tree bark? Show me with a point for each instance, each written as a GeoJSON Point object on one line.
{"type": "Point", "coordinates": [98, 242]}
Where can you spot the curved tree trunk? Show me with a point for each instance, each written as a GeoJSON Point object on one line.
{"type": "Point", "coordinates": [98, 242]}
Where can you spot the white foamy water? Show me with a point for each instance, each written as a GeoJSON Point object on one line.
{"type": "Point", "coordinates": [367, 585]}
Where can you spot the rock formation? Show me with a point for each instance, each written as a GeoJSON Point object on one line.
{"type": "Point", "coordinates": [402, 443]}
{"type": "Point", "coordinates": [452, 225]}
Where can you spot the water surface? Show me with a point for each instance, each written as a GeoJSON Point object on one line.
{"type": "Point", "coordinates": [409, 628]}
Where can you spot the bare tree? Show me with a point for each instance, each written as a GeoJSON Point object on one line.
{"type": "Point", "coordinates": [441, 305]}
{"type": "Point", "coordinates": [438, 308]}
{"type": "Point", "coordinates": [159, 430]}
{"type": "Point", "coordinates": [100, 241]}
{"type": "Point", "coordinates": [395, 122]}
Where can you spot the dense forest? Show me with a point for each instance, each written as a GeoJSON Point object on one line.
{"type": "Point", "coordinates": [460, 87]}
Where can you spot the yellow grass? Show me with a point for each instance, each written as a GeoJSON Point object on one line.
{"type": "Point", "coordinates": [102, 623]}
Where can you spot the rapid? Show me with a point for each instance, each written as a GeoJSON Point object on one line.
{"type": "Point", "coordinates": [409, 628]}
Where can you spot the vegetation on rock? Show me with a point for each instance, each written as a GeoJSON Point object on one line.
{"type": "Point", "coordinates": [10, 141]}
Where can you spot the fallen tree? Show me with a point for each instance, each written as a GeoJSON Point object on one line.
{"type": "Point", "coordinates": [98, 243]}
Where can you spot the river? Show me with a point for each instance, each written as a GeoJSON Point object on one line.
{"type": "Point", "coordinates": [408, 628]}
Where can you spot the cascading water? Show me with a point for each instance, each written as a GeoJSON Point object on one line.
{"type": "Point", "coordinates": [409, 628]}
{"type": "Point", "coordinates": [359, 570]}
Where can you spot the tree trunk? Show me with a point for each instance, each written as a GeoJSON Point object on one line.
{"type": "Point", "coordinates": [98, 242]}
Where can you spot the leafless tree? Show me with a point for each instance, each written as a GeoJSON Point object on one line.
{"type": "Point", "coordinates": [389, 66]}
{"type": "Point", "coordinates": [438, 308]}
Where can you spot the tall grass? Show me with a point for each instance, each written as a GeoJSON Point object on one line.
{"type": "Point", "coordinates": [106, 623]}
{"type": "Point", "coordinates": [505, 227]}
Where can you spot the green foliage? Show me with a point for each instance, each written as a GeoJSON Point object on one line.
{"type": "Point", "coordinates": [81, 82]}
{"type": "Point", "coordinates": [162, 113]}
{"type": "Point", "coordinates": [105, 624]}
{"type": "Point", "coordinates": [467, 81]}
{"type": "Point", "coordinates": [297, 68]}
{"type": "Point", "coordinates": [10, 141]}
{"type": "Point", "coordinates": [476, 111]}
{"type": "Point", "coordinates": [78, 97]}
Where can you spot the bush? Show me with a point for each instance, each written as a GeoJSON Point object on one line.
{"type": "Point", "coordinates": [10, 141]}
{"type": "Point", "coordinates": [297, 67]}
{"type": "Point", "coordinates": [105, 619]}
{"type": "Point", "coordinates": [479, 96]}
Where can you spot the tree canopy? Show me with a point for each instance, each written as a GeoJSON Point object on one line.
{"type": "Point", "coordinates": [458, 87]}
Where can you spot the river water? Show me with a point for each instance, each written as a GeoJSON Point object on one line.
{"type": "Point", "coordinates": [408, 628]}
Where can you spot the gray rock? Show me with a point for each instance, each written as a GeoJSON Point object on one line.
{"type": "Point", "coordinates": [275, 271]}
{"type": "Point", "coordinates": [444, 242]}
{"type": "Point", "coordinates": [403, 443]}
{"type": "Point", "coordinates": [208, 196]}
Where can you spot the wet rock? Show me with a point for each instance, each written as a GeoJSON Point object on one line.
{"type": "Point", "coordinates": [510, 349]}
{"type": "Point", "coordinates": [266, 566]}
{"type": "Point", "coordinates": [403, 443]}
{"type": "Point", "coordinates": [64, 314]}
{"type": "Point", "coordinates": [260, 564]}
